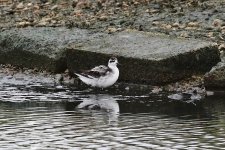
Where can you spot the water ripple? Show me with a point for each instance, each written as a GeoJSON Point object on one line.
{"type": "Point", "coordinates": [36, 113]}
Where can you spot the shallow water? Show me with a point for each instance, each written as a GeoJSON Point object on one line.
{"type": "Point", "coordinates": [36, 113]}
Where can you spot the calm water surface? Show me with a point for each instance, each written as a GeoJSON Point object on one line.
{"type": "Point", "coordinates": [35, 113]}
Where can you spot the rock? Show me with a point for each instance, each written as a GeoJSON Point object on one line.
{"type": "Point", "coordinates": [103, 18]}
{"type": "Point", "coordinates": [26, 8]}
{"type": "Point", "coordinates": [82, 4]}
{"type": "Point", "coordinates": [210, 35]}
{"type": "Point", "coordinates": [55, 7]}
{"type": "Point", "coordinates": [12, 6]}
{"type": "Point", "coordinates": [221, 47]}
{"type": "Point", "coordinates": [222, 52]}
{"type": "Point", "coordinates": [193, 24]}
{"type": "Point", "coordinates": [111, 30]}
{"type": "Point", "coordinates": [215, 78]}
{"type": "Point", "coordinates": [176, 25]}
{"type": "Point", "coordinates": [156, 90]}
{"type": "Point", "coordinates": [154, 11]}
{"type": "Point", "coordinates": [23, 24]}
{"type": "Point", "coordinates": [184, 34]}
{"type": "Point", "coordinates": [44, 1]}
{"type": "Point", "coordinates": [209, 93]}
{"type": "Point", "coordinates": [30, 47]}
{"type": "Point", "coordinates": [20, 6]}
{"type": "Point", "coordinates": [36, 7]}
{"type": "Point", "coordinates": [44, 22]}
{"type": "Point", "coordinates": [29, 4]}
{"type": "Point", "coordinates": [222, 56]}
{"type": "Point", "coordinates": [74, 3]}
{"type": "Point", "coordinates": [217, 22]}
{"type": "Point", "coordinates": [145, 57]}
{"type": "Point", "coordinates": [155, 23]}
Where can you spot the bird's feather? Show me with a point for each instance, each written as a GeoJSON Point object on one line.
{"type": "Point", "coordinates": [96, 72]}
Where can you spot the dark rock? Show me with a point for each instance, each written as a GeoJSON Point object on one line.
{"type": "Point", "coordinates": [215, 78]}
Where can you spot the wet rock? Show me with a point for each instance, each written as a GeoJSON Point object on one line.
{"type": "Point", "coordinates": [215, 78]}
{"type": "Point", "coordinates": [156, 90]}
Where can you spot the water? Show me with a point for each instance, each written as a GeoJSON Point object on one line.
{"type": "Point", "coordinates": [36, 113]}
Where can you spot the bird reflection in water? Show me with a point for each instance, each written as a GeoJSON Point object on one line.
{"type": "Point", "coordinates": [101, 105]}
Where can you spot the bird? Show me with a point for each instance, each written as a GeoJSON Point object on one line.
{"type": "Point", "coordinates": [101, 76]}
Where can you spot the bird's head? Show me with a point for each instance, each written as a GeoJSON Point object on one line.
{"type": "Point", "coordinates": [113, 61]}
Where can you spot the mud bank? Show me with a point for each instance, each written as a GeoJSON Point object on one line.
{"type": "Point", "coordinates": [145, 57]}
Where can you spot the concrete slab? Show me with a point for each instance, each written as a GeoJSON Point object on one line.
{"type": "Point", "coordinates": [145, 57]}
{"type": "Point", "coordinates": [141, 45]}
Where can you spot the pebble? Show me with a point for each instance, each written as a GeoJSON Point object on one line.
{"type": "Point", "coordinates": [23, 24]}
{"type": "Point", "coordinates": [221, 47]}
{"type": "Point", "coordinates": [168, 26]}
{"type": "Point", "coordinates": [20, 6]}
{"type": "Point", "coordinates": [155, 23]}
{"type": "Point", "coordinates": [111, 30]}
{"type": "Point", "coordinates": [176, 24]}
{"type": "Point", "coordinates": [222, 56]}
{"type": "Point", "coordinates": [127, 88]}
{"type": "Point", "coordinates": [83, 4]}
{"type": "Point", "coordinates": [193, 24]}
{"type": "Point", "coordinates": [156, 90]}
{"type": "Point", "coordinates": [210, 34]}
{"type": "Point", "coordinates": [55, 7]}
{"type": "Point", "coordinates": [103, 18]}
{"type": "Point", "coordinates": [217, 23]}
{"type": "Point", "coordinates": [42, 23]}
{"type": "Point", "coordinates": [29, 4]}
{"type": "Point", "coordinates": [152, 11]}
{"type": "Point", "coordinates": [26, 8]}
{"type": "Point", "coordinates": [36, 7]}
{"type": "Point", "coordinates": [184, 34]}
{"type": "Point", "coordinates": [209, 93]}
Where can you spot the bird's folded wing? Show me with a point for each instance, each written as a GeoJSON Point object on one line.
{"type": "Point", "coordinates": [96, 72]}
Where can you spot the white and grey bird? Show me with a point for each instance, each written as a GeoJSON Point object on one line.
{"type": "Point", "coordinates": [101, 76]}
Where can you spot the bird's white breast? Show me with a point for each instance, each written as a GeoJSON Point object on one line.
{"type": "Point", "coordinates": [109, 79]}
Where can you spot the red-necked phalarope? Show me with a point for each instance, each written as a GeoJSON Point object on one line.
{"type": "Point", "coordinates": [101, 76]}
